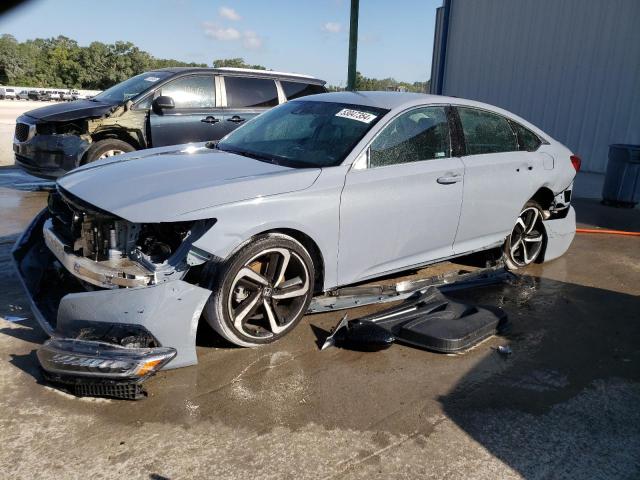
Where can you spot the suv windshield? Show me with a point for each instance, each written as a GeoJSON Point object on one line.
{"type": "Point", "coordinates": [123, 91]}
{"type": "Point", "coordinates": [303, 133]}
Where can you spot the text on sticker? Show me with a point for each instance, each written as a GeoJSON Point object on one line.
{"type": "Point", "coordinates": [364, 117]}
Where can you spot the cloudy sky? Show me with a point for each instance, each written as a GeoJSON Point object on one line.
{"type": "Point", "coordinates": [303, 36]}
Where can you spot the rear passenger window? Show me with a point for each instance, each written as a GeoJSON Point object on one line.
{"type": "Point", "coordinates": [296, 89]}
{"type": "Point", "coordinates": [420, 134]}
{"type": "Point", "coordinates": [244, 92]}
{"type": "Point", "coordinates": [527, 140]}
{"type": "Point", "coordinates": [191, 92]}
{"type": "Point", "coordinates": [486, 132]}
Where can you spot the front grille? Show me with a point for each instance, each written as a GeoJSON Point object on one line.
{"type": "Point", "coordinates": [125, 391]}
{"type": "Point", "coordinates": [87, 387]}
{"type": "Point", "coordinates": [22, 132]}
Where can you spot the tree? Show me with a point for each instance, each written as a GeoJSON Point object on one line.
{"type": "Point", "coordinates": [61, 62]}
{"type": "Point", "coordinates": [235, 63]}
{"type": "Point", "coordinates": [366, 83]}
{"type": "Point", "coordinates": [10, 63]}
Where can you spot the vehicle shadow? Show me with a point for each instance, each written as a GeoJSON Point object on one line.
{"type": "Point", "coordinates": [28, 363]}
{"type": "Point", "coordinates": [13, 178]}
{"type": "Point", "coordinates": [564, 403]}
{"type": "Point", "coordinates": [31, 332]}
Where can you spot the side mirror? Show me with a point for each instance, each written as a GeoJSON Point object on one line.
{"type": "Point", "coordinates": [162, 103]}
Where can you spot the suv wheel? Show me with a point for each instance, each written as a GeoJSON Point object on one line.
{"type": "Point", "coordinates": [106, 148]}
{"type": "Point", "coordinates": [262, 292]}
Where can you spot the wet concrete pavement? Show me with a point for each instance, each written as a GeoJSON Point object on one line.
{"type": "Point", "coordinates": [563, 405]}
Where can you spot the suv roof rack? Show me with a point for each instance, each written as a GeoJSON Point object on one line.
{"type": "Point", "coordinates": [268, 72]}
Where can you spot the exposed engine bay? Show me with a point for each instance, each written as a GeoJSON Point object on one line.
{"type": "Point", "coordinates": [106, 251]}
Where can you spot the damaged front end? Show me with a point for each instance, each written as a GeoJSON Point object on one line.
{"type": "Point", "coordinates": [49, 147]}
{"type": "Point", "coordinates": [49, 150]}
{"type": "Point", "coordinates": [119, 299]}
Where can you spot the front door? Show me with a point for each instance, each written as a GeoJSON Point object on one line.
{"type": "Point", "coordinates": [402, 208]}
{"type": "Point", "coordinates": [195, 117]}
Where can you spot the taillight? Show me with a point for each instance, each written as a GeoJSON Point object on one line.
{"type": "Point", "coordinates": [576, 162]}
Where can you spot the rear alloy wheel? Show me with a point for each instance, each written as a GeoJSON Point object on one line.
{"type": "Point", "coordinates": [524, 245]}
{"type": "Point", "coordinates": [262, 292]}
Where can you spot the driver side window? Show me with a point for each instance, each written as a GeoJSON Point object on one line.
{"type": "Point", "coordinates": [419, 134]}
{"type": "Point", "coordinates": [195, 91]}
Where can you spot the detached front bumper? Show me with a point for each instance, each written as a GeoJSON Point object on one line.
{"type": "Point", "coordinates": [106, 337]}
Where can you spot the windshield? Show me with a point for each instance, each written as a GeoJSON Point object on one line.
{"type": "Point", "coordinates": [123, 91]}
{"type": "Point", "coordinates": [303, 133]}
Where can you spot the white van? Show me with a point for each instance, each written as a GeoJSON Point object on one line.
{"type": "Point", "coordinates": [8, 93]}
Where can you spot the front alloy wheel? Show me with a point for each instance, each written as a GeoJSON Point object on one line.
{"type": "Point", "coordinates": [262, 292]}
{"type": "Point", "coordinates": [524, 245]}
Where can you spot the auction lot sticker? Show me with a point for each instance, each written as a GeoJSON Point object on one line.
{"type": "Point", "coordinates": [364, 117]}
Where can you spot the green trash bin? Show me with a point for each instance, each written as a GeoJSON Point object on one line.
{"type": "Point", "coordinates": [622, 180]}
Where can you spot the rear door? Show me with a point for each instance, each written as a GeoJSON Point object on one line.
{"type": "Point", "coordinates": [498, 180]}
{"type": "Point", "coordinates": [195, 118]}
{"type": "Point", "coordinates": [246, 97]}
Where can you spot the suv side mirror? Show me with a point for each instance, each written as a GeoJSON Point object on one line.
{"type": "Point", "coordinates": [162, 103]}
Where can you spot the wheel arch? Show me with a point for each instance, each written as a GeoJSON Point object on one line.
{"type": "Point", "coordinates": [303, 238]}
{"type": "Point", "coordinates": [544, 197]}
{"type": "Point", "coordinates": [311, 246]}
{"type": "Point", "coordinates": [112, 134]}
{"type": "Point", "coordinates": [116, 134]}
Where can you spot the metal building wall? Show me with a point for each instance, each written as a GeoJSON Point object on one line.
{"type": "Point", "coordinates": [572, 67]}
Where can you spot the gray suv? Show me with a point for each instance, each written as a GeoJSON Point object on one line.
{"type": "Point", "coordinates": [158, 108]}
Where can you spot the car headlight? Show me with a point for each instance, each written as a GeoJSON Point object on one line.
{"type": "Point", "coordinates": [104, 360]}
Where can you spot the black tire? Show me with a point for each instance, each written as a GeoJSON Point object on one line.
{"type": "Point", "coordinates": [231, 310]}
{"type": "Point", "coordinates": [525, 244]}
{"type": "Point", "coordinates": [103, 147]}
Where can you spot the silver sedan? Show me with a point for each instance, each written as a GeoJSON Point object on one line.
{"type": "Point", "coordinates": [317, 193]}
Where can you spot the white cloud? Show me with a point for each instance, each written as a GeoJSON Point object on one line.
{"type": "Point", "coordinates": [332, 27]}
{"type": "Point", "coordinates": [220, 33]}
{"type": "Point", "coordinates": [229, 13]}
{"type": "Point", "coordinates": [251, 40]}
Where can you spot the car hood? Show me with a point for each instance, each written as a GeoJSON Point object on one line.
{"type": "Point", "coordinates": [69, 111]}
{"type": "Point", "coordinates": [162, 185]}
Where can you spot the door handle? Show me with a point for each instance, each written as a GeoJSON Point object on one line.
{"type": "Point", "coordinates": [448, 180]}
{"type": "Point", "coordinates": [210, 119]}
{"type": "Point", "coordinates": [235, 119]}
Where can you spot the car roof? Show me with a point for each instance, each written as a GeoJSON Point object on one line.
{"type": "Point", "coordinates": [251, 72]}
{"type": "Point", "coordinates": [390, 100]}
{"type": "Point", "coordinates": [398, 101]}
